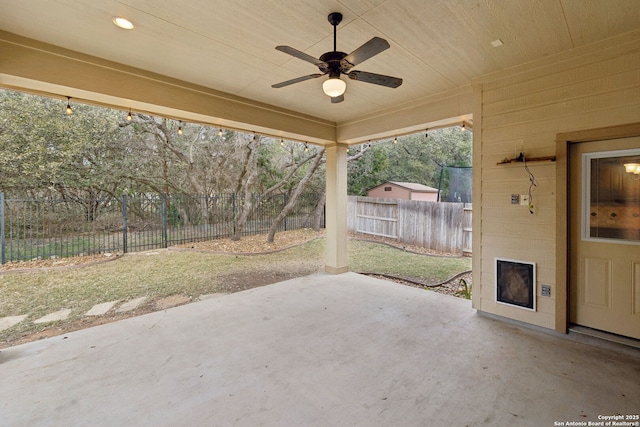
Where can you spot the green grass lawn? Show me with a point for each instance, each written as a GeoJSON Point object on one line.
{"type": "Point", "coordinates": [193, 274]}
{"type": "Point", "coordinates": [367, 257]}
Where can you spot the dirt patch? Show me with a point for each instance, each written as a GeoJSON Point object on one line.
{"type": "Point", "coordinates": [171, 301]}
{"type": "Point", "coordinates": [254, 279]}
{"type": "Point", "coordinates": [256, 244]}
{"type": "Point", "coordinates": [55, 263]}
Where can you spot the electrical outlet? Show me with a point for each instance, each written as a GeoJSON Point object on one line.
{"type": "Point", "coordinates": [515, 199]}
{"type": "Point", "coordinates": [524, 199]}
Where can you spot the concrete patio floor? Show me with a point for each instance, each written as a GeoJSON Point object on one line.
{"type": "Point", "coordinates": [322, 350]}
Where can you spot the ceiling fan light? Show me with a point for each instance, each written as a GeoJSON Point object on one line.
{"type": "Point", "coordinates": [334, 87]}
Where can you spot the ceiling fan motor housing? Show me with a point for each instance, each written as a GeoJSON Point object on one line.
{"type": "Point", "coordinates": [333, 61]}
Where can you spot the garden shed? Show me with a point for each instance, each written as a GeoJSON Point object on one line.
{"type": "Point", "coordinates": [404, 190]}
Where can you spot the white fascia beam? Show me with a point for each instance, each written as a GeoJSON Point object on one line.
{"type": "Point", "coordinates": [32, 66]}
{"type": "Point", "coordinates": [443, 110]}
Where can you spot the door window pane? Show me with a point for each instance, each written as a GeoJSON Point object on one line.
{"type": "Point", "coordinates": [612, 207]}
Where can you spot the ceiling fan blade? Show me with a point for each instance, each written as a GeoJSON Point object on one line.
{"type": "Point", "coordinates": [376, 79]}
{"type": "Point", "coordinates": [364, 52]}
{"type": "Point", "coordinates": [301, 55]}
{"type": "Point", "coordinates": [297, 80]}
{"type": "Point", "coordinates": [337, 99]}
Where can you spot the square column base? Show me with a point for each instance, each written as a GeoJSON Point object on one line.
{"type": "Point", "coordinates": [336, 270]}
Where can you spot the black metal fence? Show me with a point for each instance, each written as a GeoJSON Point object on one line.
{"type": "Point", "coordinates": [50, 228]}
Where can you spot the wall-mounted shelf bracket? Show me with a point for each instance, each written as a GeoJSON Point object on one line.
{"type": "Point", "coordinates": [521, 159]}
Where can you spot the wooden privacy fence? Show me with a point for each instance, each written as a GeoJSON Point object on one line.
{"type": "Point", "coordinates": [466, 229]}
{"type": "Point", "coordinates": [442, 227]}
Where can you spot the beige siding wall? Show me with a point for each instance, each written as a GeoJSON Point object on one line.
{"type": "Point", "coordinates": [523, 110]}
{"type": "Point", "coordinates": [425, 197]}
{"type": "Point", "coordinates": [395, 193]}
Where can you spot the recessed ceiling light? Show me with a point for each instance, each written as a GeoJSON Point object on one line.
{"type": "Point", "coordinates": [123, 23]}
{"type": "Point", "coordinates": [497, 43]}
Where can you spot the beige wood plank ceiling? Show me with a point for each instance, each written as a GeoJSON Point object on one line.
{"type": "Point", "coordinates": [228, 45]}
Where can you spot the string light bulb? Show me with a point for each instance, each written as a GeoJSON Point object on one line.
{"type": "Point", "coordinates": [426, 133]}
{"type": "Point", "coordinates": [282, 142]}
{"type": "Point", "coordinates": [129, 117]}
{"type": "Point", "coordinates": [180, 128]}
{"type": "Point", "coordinates": [69, 110]}
{"type": "Point", "coordinates": [306, 147]}
{"type": "Point", "coordinates": [463, 127]}
{"type": "Point", "coordinates": [220, 132]}
{"type": "Point", "coordinates": [395, 140]}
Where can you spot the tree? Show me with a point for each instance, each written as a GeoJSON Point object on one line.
{"type": "Point", "coordinates": [415, 158]}
{"type": "Point", "coordinates": [293, 198]}
{"type": "Point", "coordinates": [43, 150]}
{"type": "Point", "coordinates": [96, 152]}
{"type": "Point", "coordinates": [364, 172]}
{"type": "Point", "coordinates": [245, 184]}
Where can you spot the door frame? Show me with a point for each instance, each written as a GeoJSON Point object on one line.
{"type": "Point", "coordinates": [563, 141]}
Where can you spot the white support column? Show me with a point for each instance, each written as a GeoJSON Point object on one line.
{"type": "Point", "coordinates": [336, 210]}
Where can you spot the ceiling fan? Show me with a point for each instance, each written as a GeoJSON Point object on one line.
{"type": "Point", "coordinates": [336, 63]}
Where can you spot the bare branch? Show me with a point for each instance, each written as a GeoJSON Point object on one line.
{"type": "Point", "coordinates": [292, 171]}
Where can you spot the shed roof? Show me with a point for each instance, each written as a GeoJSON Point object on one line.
{"type": "Point", "coordinates": [413, 186]}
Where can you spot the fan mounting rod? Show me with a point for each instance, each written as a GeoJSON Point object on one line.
{"type": "Point", "coordinates": [334, 19]}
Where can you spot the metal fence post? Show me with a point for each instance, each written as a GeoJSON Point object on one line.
{"type": "Point", "coordinates": [233, 211]}
{"type": "Point", "coordinates": [2, 245]}
{"type": "Point", "coordinates": [164, 220]}
{"type": "Point", "coordinates": [284, 203]}
{"type": "Point", "coordinates": [440, 184]}
{"type": "Point", "coordinates": [124, 223]}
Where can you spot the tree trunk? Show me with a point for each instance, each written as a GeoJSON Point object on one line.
{"type": "Point", "coordinates": [251, 174]}
{"type": "Point", "coordinates": [319, 210]}
{"type": "Point", "coordinates": [294, 196]}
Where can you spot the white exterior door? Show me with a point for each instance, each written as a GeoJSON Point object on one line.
{"type": "Point", "coordinates": [604, 235]}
